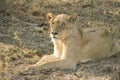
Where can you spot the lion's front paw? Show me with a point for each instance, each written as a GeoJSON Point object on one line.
{"type": "Point", "coordinates": [43, 60]}
{"type": "Point", "coordinates": [29, 70]}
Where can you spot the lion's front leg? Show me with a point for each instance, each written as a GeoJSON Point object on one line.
{"type": "Point", "coordinates": [50, 61]}
{"type": "Point", "coordinates": [46, 58]}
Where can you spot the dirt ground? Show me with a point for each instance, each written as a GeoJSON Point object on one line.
{"type": "Point", "coordinates": [24, 38]}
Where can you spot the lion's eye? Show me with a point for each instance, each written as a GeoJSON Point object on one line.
{"type": "Point", "coordinates": [53, 23]}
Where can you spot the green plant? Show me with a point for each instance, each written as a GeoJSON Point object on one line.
{"type": "Point", "coordinates": [18, 39]}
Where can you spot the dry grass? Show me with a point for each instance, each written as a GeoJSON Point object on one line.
{"type": "Point", "coordinates": [24, 38]}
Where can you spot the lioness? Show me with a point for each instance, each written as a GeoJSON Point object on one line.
{"type": "Point", "coordinates": [73, 45]}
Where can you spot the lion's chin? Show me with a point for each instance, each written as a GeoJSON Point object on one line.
{"type": "Point", "coordinates": [54, 39]}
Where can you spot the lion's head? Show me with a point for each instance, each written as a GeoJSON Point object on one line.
{"type": "Point", "coordinates": [60, 25]}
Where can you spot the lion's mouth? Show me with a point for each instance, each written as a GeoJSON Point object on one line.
{"type": "Point", "coordinates": [54, 37]}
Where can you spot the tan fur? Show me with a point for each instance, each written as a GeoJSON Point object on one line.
{"type": "Point", "coordinates": [73, 45]}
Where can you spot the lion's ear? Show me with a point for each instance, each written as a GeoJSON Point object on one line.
{"type": "Point", "coordinates": [50, 16]}
{"type": "Point", "coordinates": [72, 18]}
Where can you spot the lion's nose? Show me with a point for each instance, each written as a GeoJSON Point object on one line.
{"type": "Point", "coordinates": [54, 33]}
